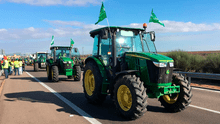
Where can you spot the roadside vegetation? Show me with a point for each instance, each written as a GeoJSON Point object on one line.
{"type": "Point", "coordinates": [209, 63]}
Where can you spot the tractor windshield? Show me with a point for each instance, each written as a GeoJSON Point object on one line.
{"type": "Point", "coordinates": [41, 56]}
{"type": "Point", "coordinates": [131, 41]}
{"type": "Point", "coordinates": [62, 52]}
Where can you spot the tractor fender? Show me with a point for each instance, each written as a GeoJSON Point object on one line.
{"type": "Point", "coordinates": [99, 64]}
{"type": "Point", "coordinates": [105, 82]}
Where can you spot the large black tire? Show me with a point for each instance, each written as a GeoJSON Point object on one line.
{"type": "Point", "coordinates": [179, 101]}
{"type": "Point", "coordinates": [130, 97]}
{"type": "Point", "coordinates": [48, 68]}
{"type": "Point", "coordinates": [55, 74]}
{"type": "Point", "coordinates": [77, 76]}
{"type": "Point", "coordinates": [92, 83]}
{"type": "Point", "coordinates": [35, 66]}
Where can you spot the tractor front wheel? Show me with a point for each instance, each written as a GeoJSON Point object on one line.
{"type": "Point", "coordinates": [92, 83]}
{"type": "Point", "coordinates": [130, 96]}
{"type": "Point", "coordinates": [35, 66]}
{"type": "Point", "coordinates": [77, 75]}
{"type": "Point", "coordinates": [178, 102]}
{"type": "Point", "coordinates": [55, 73]}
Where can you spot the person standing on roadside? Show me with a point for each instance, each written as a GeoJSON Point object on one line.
{"type": "Point", "coordinates": [23, 65]}
{"type": "Point", "coordinates": [16, 65]}
{"type": "Point", "coordinates": [5, 66]}
{"type": "Point", "coordinates": [9, 66]}
{"type": "Point", "coordinates": [20, 65]}
{"type": "Point", "coordinates": [12, 65]}
{"type": "Point", "coordinates": [1, 67]}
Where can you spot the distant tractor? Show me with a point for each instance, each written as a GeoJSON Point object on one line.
{"type": "Point", "coordinates": [77, 58]}
{"type": "Point", "coordinates": [29, 61]}
{"type": "Point", "coordinates": [61, 63]}
{"type": "Point", "coordinates": [40, 60]}
{"type": "Point", "coordinates": [125, 64]}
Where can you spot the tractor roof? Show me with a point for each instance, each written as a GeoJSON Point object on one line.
{"type": "Point", "coordinates": [60, 47]}
{"type": "Point", "coordinates": [96, 31]}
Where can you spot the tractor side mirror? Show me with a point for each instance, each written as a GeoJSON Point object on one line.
{"type": "Point", "coordinates": [104, 34]}
{"type": "Point", "coordinates": [152, 36]}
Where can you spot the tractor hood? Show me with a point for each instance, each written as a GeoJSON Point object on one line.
{"type": "Point", "coordinates": [150, 56]}
{"type": "Point", "coordinates": [65, 59]}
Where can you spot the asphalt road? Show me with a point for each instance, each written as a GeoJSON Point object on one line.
{"type": "Point", "coordinates": [204, 109]}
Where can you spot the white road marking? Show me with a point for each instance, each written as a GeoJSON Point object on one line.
{"type": "Point", "coordinates": [205, 89]}
{"type": "Point", "coordinates": [205, 109]}
{"type": "Point", "coordinates": [73, 106]}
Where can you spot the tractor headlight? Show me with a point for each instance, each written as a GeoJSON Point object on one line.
{"type": "Point", "coordinates": [171, 64]}
{"type": "Point", "coordinates": [64, 62]}
{"type": "Point", "coordinates": [159, 64]}
{"type": "Point", "coordinates": [70, 62]}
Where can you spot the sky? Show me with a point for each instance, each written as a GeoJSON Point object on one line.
{"type": "Point", "coordinates": [26, 26]}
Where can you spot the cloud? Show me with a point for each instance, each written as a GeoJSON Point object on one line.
{"type": "Point", "coordinates": [57, 2]}
{"type": "Point", "coordinates": [175, 35]}
{"type": "Point", "coordinates": [173, 26]}
{"type": "Point", "coordinates": [3, 30]}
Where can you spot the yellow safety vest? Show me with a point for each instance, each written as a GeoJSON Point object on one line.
{"type": "Point", "coordinates": [20, 63]}
{"type": "Point", "coordinates": [16, 63]}
{"type": "Point", "coordinates": [9, 63]}
{"type": "Point", "coordinates": [6, 64]}
{"type": "Point", "coordinates": [12, 63]}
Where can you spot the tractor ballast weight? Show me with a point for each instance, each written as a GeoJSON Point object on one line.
{"type": "Point", "coordinates": [40, 60]}
{"type": "Point", "coordinates": [125, 64]}
{"type": "Point", "coordinates": [61, 63]}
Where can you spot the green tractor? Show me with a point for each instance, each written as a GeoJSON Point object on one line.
{"type": "Point", "coordinates": [77, 59]}
{"type": "Point", "coordinates": [61, 63]}
{"type": "Point", "coordinates": [40, 60]}
{"type": "Point", "coordinates": [125, 64]}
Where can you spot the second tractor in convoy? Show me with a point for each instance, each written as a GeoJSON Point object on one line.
{"type": "Point", "coordinates": [61, 63]}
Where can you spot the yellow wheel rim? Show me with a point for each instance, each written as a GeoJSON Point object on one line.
{"type": "Point", "coordinates": [89, 82]}
{"type": "Point", "coordinates": [47, 70]}
{"type": "Point", "coordinates": [170, 99]}
{"type": "Point", "coordinates": [124, 97]}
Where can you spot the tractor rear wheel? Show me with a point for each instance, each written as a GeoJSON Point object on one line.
{"type": "Point", "coordinates": [55, 73]}
{"type": "Point", "coordinates": [130, 96]}
{"type": "Point", "coordinates": [180, 101]}
{"type": "Point", "coordinates": [49, 76]}
{"type": "Point", "coordinates": [92, 83]}
{"type": "Point", "coordinates": [77, 75]}
{"type": "Point", "coordinates": [35, 66]}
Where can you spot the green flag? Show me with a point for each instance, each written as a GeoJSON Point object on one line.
{"type": "Point", "coordinates": [71, 42]}
{"type": "Point", "coordinates": [154, 19]}
{"type": "Point", "coordinates": [102, 14]}
{"type": "Point", "coordinates": [52, 41]}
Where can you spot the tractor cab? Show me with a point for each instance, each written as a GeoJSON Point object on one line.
{"type": "Point", "coordinates": [75, 54]}
{"type": "Point", "coordinates": [58, 52]}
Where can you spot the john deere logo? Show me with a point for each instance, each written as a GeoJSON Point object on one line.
{"type": "Point", "coordinates": [167, 72]}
